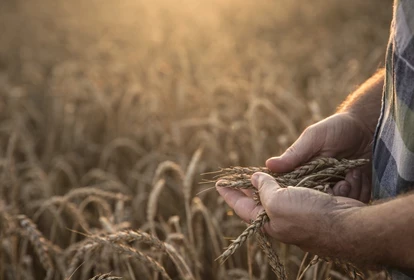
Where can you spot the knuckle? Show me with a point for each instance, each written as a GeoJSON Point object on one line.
{"type": "Point", "coordinates": [265, 182]}
{"type": "Point", "coordinates": [293, 151]}
{"type": "Point", "coordinates": [273, 202]}
{"type": "Point", "coordinates": [310, 130]}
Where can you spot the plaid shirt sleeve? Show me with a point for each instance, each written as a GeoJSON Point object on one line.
{"type": "Point", "coordinates": [393, 154]}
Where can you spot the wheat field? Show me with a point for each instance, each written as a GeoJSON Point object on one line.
{"type": "Point", "coordinates": [110, 111]}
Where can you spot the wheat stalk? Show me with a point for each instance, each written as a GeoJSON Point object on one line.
{"type": "Point", "coordinates": [106, 276]}
{"type": "Point", "coordinates": [273, 259]}
{"type": "Point", "coordinates": [130, 235]}
{"type": "Point", "coordinates": [147, 260]}
{"type": "Point", "coordinates": [39, 243]}
{"type": "Point", "coordinates": [152, 204]}
{"type": "Point", "coordinates": [187, 188]}
{"type": "Point", "coordinates": [258, 223]}
{"type": "Point", "coordinates": [324, 167]}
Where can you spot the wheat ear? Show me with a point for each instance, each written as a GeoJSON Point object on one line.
{"type": "Point", "coordinates": [39, 243]}
{"type": "Point", "coordinates": [106, 276]}
{"type": "Point", "coordinates": [258, 223]}
{"type": "Point", "coordinates": [273, 259]}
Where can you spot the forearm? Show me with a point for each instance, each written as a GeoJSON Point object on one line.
{"type": "Point", "coordinates": [365, 102]}
{"type": "Point", "coordinates": [381, 234]}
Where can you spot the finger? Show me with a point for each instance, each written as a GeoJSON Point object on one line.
{"type": "Point", "coordinates": [365, 189]}
{"type": "Point", "coordinates": [342, 188]}
{"type": "Point", "coordinates": [305, 148]}
{"type": "Point", "coordinates": [355, 181]}
{"type": "Point", "coordinates": [262, 182]}
{"type": "Point", "coordinates": [266, 186]}
{"type": "Point", "coordinates": [245, 207]}
{"type": "Point", "coordinates": [248, 192]}
{"type": "Point", "coordinates": [330, 191]}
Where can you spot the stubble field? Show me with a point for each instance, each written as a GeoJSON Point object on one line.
{"type": "Point", "coordinates": [111, 110]}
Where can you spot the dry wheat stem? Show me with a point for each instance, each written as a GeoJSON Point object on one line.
{"type": "Point", "coordinates": [39, 243]}
{"type": "Point", "coordinates": [134, 235]}
{"type": "Point", "coordinates": [152, 204]}
{"type": "Point", "coordinates": [314, 261]}
{"type": "Point", "coordinates": [324, 167]}
{"type": "Point", "coordinates": [212, 226]}
{"type": "Point", "coordinates": [258, 223]}
{"type": "Point", "coordinates": [273, 259]}
{"type": "Point", "coordinates": [168, 166]}
{"type": "Point", "coordinates": [124, 249]}
{"type": "Point", "coordinates": [87, 246]}
{"type": "Point", "coordinates": [106, 276]}
{"type": "Point", "coordinates": [187, 189]}
{"type": "Point", "coordinates": [89, 191]}
{"type": "Point", "coordinates": [131, 235]}
{"type": "Point", "coordinates": [102, 205]}
{"type": "Point", "coordinates": [352, 271]}
{"type": "Point", "coordinates": [308, 168]}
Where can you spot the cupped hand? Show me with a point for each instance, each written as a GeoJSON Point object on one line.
{"type": "Point", "coordinates": [300, 216]}
{"type": "Point", "coordinates": [340, 136]}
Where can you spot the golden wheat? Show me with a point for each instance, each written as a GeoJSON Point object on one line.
{"type": "Point", "coordinates": [93, 116]}
{"type": "Point", "coordinates": [106, 276]}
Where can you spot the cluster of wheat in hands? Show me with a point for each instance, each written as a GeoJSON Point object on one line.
{"type": "Point", "coordinates": [319, 174]}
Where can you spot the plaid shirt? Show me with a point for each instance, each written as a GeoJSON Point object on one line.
{"type": "Point", "coordinates": [393, 157]}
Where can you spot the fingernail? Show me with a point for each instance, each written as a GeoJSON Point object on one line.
{"type": "Point", "coordinates": [271, 159]}
{"type": "Point", "coordinates": [274, 158]}
{"type": "Point", "coordinates": [356, 173]}
{"type": "Point", "coordinates": [344, 190]}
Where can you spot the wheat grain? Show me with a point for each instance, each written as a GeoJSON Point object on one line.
{"type": "Point", "coordinates": [39, 243]}
{"type": "Point", "coordinates": [106, 276]}
{"type": "Point", "coordinates": [258, 223]}
{"type": "Point", "coordinates": [168, 166]}
{"type": "Point", "coordinates": [152, 204]}
{"type": "Point", "coordinates": [103, 207]}
{"type": "Point", "coordinates": [130, 235]}
{"type": "Point", "coordinates": [80, 251]}
{"type": "Point", "coordinates": [273, 259]}
{"type": "Point", "coordinates": [187, 188]}
{"type": "Point", "coordinates": [116, 144]}
{"type": "Point", "coordinates": [92, 191]}
{"type": "Point", "coordinates": [212, 225]}
{"type": "Point", "coordinates": [328, 168]}
{"type": "Point", "coordinates": [153, 264]}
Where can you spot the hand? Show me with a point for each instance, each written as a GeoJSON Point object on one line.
{"type": "Point", "coordinates": [341, 136]}
{"type": "Point", "coordinates": [300, 216]}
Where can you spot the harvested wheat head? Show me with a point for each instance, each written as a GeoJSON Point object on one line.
{"type": "Point", "coordinates": [320, 174]}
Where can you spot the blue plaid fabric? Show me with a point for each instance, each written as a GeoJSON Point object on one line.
{"type": "Point", "coordinates": [393, 154]}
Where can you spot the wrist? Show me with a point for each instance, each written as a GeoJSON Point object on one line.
{"type": "Point", "coordinates": [365, 103]}
{"type": "Point", "coordinates": [344, 233]}
{"type": "Point", "coordinates": [335, 238]}
{"type": "Point", "coordinates": [359, 235]}
{"type": "Point", "coordinates": [366, 125]}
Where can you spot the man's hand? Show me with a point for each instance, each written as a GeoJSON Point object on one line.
{"type": "Point", "coordinates": [341, 136]}
{"type": "Point", "coordinates": [300, 216]}
{"type": "Point", "coordinates": [332, 226]}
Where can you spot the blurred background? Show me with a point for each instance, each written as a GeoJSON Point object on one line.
{"type": "Point", "coordinates": [100, 93]}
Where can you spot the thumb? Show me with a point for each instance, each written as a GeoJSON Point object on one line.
{"type": "Point", "coordinates": [300, 152]}
{"type": "Point", "coordinates": [266, 186]}
{"type": "Point", "coordinates": [262, 181]}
